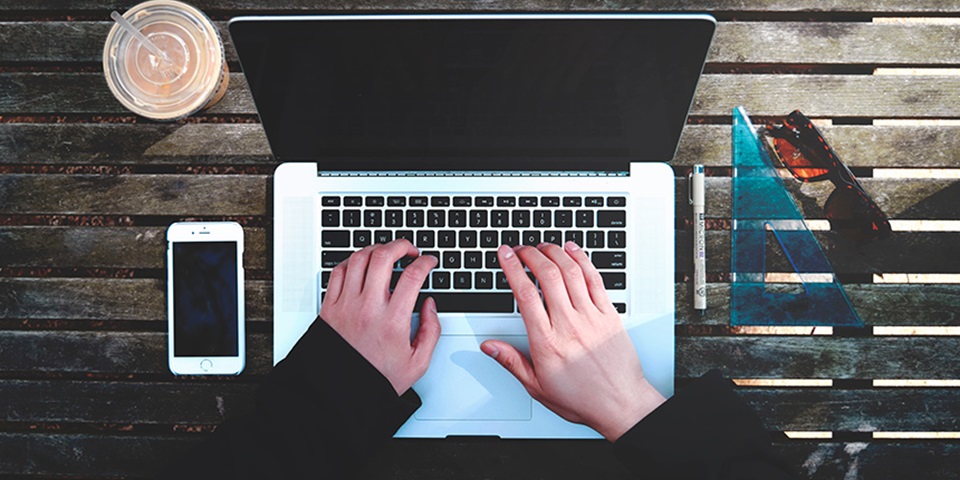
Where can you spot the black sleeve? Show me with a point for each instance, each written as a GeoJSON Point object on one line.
{"type": "Point", "coordinates": [319, 413]}
{"type": "Point", "coordinates": [704, 432]}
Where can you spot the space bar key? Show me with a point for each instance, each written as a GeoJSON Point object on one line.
{"type": "Point", "coordinates": [469, 302]}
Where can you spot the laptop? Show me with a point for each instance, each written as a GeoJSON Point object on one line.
{"type": "Point", "coordinates": [462, 132]}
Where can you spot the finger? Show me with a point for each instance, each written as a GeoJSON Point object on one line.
{"type": "Point", "coordinates": [404, 296]}
{"type": "Point", "coordinates": [594, 282]}
{"type": "Point", "coordinates": [335, 282]}
{"type": "Point", "coordinates": [356, 272]}
{"type": "Point", "coordinates": [573, 278]}
{"type": "Point", "coordinates": [427, 336]}
{"type": "Point", "coordinates": [528, 298]}
{"type": "Point", "coordinates": [382, 260]}
{"type": "Point", "coordinates": [514, 362]}
{"type": "Point", "coordinates": [551, 279]}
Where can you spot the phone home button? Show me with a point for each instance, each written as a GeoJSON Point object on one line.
{"type": "Point", "coordinates": [205, 365]}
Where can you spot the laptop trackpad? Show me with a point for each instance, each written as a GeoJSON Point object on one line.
{"type": "Point", "coordinates": [463, 383]}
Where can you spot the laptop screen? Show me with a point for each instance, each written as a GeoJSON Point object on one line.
{"type": "Point", "coordinates": [466, 90]}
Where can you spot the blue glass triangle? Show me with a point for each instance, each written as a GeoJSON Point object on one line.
{"type": "Point", "coordinates": [763, 209]}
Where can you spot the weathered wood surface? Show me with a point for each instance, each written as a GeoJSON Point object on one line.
{"type": "Point", "coordinates": [875, 96]}
{"type": "Point", "coordinates": [107, 299]}
{"type": "Point", "coordinates": [753, 43]}
{"type": "Point", "coordinates": [742, 356]}
{"type": "Point", "coordinates": [246, 144]}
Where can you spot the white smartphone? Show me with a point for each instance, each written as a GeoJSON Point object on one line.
{"type": "Point", "coordinates": [205, 314]}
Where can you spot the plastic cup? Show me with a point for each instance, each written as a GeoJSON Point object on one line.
{"type": "Point", "coordinates": [192, 77]}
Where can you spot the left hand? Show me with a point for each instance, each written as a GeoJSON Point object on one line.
{"type": "Point", "coordinates": [359, 306]}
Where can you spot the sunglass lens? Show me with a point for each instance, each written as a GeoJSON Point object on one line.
{"type": "Point", "coordinates": [855, 216]}
{"type": "Point", "coordinates": [798, 164]}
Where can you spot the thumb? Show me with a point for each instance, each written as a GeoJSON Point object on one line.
{"type": "Point", "coordinates": [427, 335]}
{"type": "Point", "coordinates": [515, 362]}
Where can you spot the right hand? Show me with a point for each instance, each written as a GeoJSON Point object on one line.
{"type": "Point", "coordinates": [582, 363]}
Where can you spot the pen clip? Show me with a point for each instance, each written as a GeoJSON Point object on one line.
{"type": "Point", "coordinates": [690, 187]}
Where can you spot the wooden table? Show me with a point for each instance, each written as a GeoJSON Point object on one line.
{"type": "Point", "coordinates": [87, 190]}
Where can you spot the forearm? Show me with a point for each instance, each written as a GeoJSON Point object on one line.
{"type": "Point", "coordinates": [320, 412]}
{"type": "Point", "coordinates": [704, 431]}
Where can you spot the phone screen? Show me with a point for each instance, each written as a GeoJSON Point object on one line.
{"type": "Point", "coordinates": [205, 299]}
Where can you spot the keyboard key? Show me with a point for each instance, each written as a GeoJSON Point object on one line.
{"type": "Point", "coordinates": [528, 201]}
{"type": "Point", "coordinates": [332, 258]}
{"type": "Point", "coordinates": [425, 239]}
{"type": "Point", "coordinates": [506, 201]}
{"type": "Point", "coordinates": [483, 280]}
{"type": "Point", "coordinates": [501, 282]}
{"type": "Point", "coordinates": [439, 201]}
{"type": "Point", "coordinates": [617, 201]}
{"type": "Point", "coordinates": [393, 218]}
{"type": "Point", "coordinates": [458, 218]}
{"type": "Point", "coordinates": [469, 302]}
{"type": "Point", "coordinates": [575, 236]}
{"type": "Point", "coordinates": [330, 218]}
{"type": "Point", "coordinates": [594, 239]}
{"type": "Point", "coordinates": [446, 239]}
{"type": "Point", "coordinates": [593, 201]}
{"type": "Point", "coordinates": [473, 259]}
{"type": "Point", "coordinates": [484, 201]}
{"type": "Point", "coordinates": [373, 201]}
{"type": "Point", "coordinates": [531, 237]}
{"type": "Point", "coordinates": [328, 201]}
{"type": "Point", "coordinates": [616, 239]}
{"type": "Point", "coordinates": [462, 201]}
{"type": "Point", "coordinates": [335, 238]}
{"type": "Point", "coordinates": [382, 236]}
{"type": "Point", "coordinates": [563, 218]}
{"type": "Point", "coordinates": [372, 218]}
{"type": "Point", "coordinates": [431, 253]}
{"type": "Point", "coordinates": [324, 279]}
{"type": "Point", "coordinates": [492, 262]}
{"type": "Point", "coordinates": [362, 238]}
{"type": "Point", "coordinates": [550, 201]}
{"type": "Point", "coordinates": [451, 260]}
{"type": "Point", "coordinates": [351, 218]}
{"type": "Point", "coordinates": [584, 218]}
{"type": "Point", "coordinates": [499, 218]}
{"type": "Point", "coordinates": [478, 218]}
{"type": "Point", "coordinates": [521, 218]}
{"type": "Point", "coordinates": [397, 201]}
{"type": "Point", "coordinates": [489, 239]}
{"type": "Point", "coordinates": [572, 201]}
{"type": "Point", "coordinates": [462, 280]}
{"type": "Point", "coordinates": [609, 259]}
{"type": "Point", "coordinates": [468, 239]}
{"type": "Point", "coordinates": [614, 281]}
{"type": "Point", "coordinates": [394, 279]}
{"type": "Point", "coordinates": [407, 234]}
{"type": "Point", "coordinates": [436, 218]}
{"type": "Point", "coordinates": [441, 280]}
{"type": "Point", "coordinates": [352, 201]}
{"type": "Point", "coordinates": [553, 236]}
{"type": "Point", "coordinates": [541, 218]}
{"type": "Point", "coordinates": [406, 261]}
{"type": "Point", "coordinates": [621, 307]}
{"type": "Point", "coordinates": [611, 218]}
{"type": "Point", "coordinates": [418, 201]}
{"type": "Point", "coordinates": [414, 218]}
{"type": "Point", "coordinates": [510, 237]}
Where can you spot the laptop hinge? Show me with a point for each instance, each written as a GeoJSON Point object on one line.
{"type": "Point", "coordinates": [449, 173]}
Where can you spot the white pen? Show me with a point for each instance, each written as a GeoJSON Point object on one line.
{"type": "Point", "coordinates": [699, 250]}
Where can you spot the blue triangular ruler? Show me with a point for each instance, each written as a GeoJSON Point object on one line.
{"type": "Point", "coordinates": [764, 210]}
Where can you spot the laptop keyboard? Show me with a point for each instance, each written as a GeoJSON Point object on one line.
{"type": "Point", "coordinates": [464, 232]}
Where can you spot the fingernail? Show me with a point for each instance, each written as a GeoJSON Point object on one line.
{"type": "Point", "coordinates": [491, 350]}
{"type": "Point", "coordinates": [542, 244]}
{"type": "Point", "coordinates": [573, 247]}
{"type": "Point", "coordinates": [507, 253]}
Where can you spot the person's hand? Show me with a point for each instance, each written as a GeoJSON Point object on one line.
{"type": "Point", "coordinates": [582, 363]}
{"type": "Point", "coordinates": [359, 306]}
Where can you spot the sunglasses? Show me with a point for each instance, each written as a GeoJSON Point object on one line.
{"type": "Point", "coordinates": [803, 151]}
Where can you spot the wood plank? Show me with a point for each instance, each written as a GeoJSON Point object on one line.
{"type": "Point", "coordinates": [818, 357]}
{"type": "Point", "coordinates": [127, 299]}
{"type": "Point", "coordinates": [142, 194]}
{"type": "Point", "coordinates": [317, 6]}
{"type": "Point", "coordinates": [878, 305]}
{"type": "Point", "coordinates": [110, 247]}
{"type": "Point", "coordinates": [767, 95]}
{"type": "Point", "coordinates": [736, 356]}
{"type": "Point", "coordinates": [813, 43]}
{"type": "Point", "coordinates": [107, 352]}
{"type": "Point", "coordinates": [246, 144]}
{"type": "Point", "coordinates": [193, 403]}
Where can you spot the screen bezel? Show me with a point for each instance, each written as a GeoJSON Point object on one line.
{"type": "Point", "coordinates": [206, 232]}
